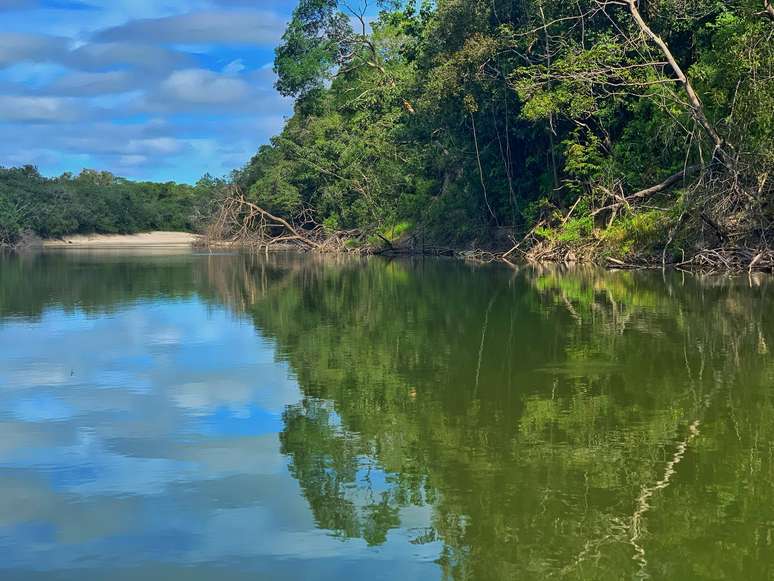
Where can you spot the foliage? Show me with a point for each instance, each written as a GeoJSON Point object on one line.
{"type": "Point", "coordinates": [98, 202]}
{"type": "Point", "coordinates": [470, 118]}
{"type": "Point", "coordinates": [640, 232]}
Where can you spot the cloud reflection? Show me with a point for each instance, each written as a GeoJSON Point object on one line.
{"type": "Point", "coordinates": [150, 435]}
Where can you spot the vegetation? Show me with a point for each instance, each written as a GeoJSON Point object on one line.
{"type": "Point", "coordinates": [487, 122]}
{"type": "Point", "coordinates": [97, 202]}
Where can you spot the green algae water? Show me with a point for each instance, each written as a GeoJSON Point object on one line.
{"type": "Point", "coordinates": [234, 417]}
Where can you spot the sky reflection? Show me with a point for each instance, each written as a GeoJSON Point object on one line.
{"type": "Point", "coordinates": [147, 439]}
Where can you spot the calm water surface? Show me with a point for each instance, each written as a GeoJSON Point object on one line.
{"type": "Point", "coordinates": [194, 417]}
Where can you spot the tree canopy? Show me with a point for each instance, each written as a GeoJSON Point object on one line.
{"type": "Point", "coordinates": [622, 125]}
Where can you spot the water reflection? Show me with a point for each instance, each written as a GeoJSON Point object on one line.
{"type": "Point", "coordinates": [290, 416]}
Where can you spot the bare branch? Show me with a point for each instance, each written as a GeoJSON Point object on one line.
{"type": "Point", "coordinates": [667, 183]}
{"type": "Point", "coordinates": [697, 107]}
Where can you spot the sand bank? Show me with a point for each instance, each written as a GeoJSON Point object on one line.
{"type": "Point", "coordinates": [146, 239]}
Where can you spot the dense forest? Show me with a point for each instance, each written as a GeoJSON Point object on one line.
{"type": "Point", "coordinates": [634, 130]}
{"type": "Point", "coordinates": [97, 202]}
{"type": "Point", "coordinates": [628, 131]}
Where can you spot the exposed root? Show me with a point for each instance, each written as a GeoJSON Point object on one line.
{"type": "Point", "coordinates": [709, 260]}
{"type": "Point", "coordinates": [725, 223]}
{"type": "Point", "coordinates": [478, 255]}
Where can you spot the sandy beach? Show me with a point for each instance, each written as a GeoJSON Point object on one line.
{"type": "Point", "coordinates": [146, 239]}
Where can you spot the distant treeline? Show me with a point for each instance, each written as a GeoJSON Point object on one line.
{"type": "Point", "coordinates": [97, 202]}
{"type": "Point", "coordinates": [591, 126]}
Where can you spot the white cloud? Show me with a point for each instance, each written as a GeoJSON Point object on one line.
{"type": "Point", "coordinates": [20, 47]}
{"type": "Point", "coordinates": [100, 56]}
{"type": "Point", "coordinates": [16, 48]}
{"type": "Point", "coordinates": [206, 27]}
{"type": "Point", "coordinates": [162, 146]}
{"type": "Point", "coordinates": [201, 86]}
{"type": "Point", "coordinates": [234, 67]}
{"type": "Point", "coordinates": [36, 109]}
{"type": "Point", "coordinates": [79, 81]}
{"type": "Point", "coordinates": [87, 84]}
{"type": "Point", "coordinates": [132, 160]}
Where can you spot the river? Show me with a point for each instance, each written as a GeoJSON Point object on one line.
{"type": "Point", "coordinates": [195, 416]}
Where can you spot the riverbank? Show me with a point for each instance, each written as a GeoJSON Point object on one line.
{"type": "Point", "coordinates": [144, 240]}
{"type": "Point", "coordinates": [721, 260]}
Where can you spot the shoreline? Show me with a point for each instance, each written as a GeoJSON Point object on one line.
{"type": "Point", "coordinates": [719, 261]}
{"type": "Point", "coordinates": [731, 260]}
{"type": "Point", "coordinates": [141, 240]}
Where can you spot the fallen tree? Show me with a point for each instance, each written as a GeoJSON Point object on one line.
{"type": "Point", "coordinates": [243, 222]}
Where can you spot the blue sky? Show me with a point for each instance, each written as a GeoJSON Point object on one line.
{"type": "Point", "coordinates": [147, 89]}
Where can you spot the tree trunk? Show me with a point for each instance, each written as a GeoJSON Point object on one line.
{"type": "Point", "coordinates": [697, 108]}
{"type": "Point", "coordinates": [481, 169]}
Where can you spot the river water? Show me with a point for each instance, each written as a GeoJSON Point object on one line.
{"type": "Point", "coordinates": [193, 417]}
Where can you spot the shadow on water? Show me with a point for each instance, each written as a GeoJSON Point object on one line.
{"type": "Point", "coordinates": [555, 423]}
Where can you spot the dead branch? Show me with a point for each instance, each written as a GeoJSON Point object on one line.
{"type": "Point", "coordinates": [740, 259]}
{"type": "Point", "coordinates": [696, 106]}
{"type": "Point", "coordinates": [647, 192]}
{"type": "Point", "coordinates": [243, 222]}
{"type": "Point", "coordinates": [295, 235]}
{"type": "Point", "coordinates": [667, 183]}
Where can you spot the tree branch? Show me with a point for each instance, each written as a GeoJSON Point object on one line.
{"type": "Point", "coordinates": [663, 186]}
{"type": "Point", "coordinates": [277, 219]}
{"type": "Point", "coordinates": [697, 107]}
{"type": "Point", "coordinates": [667, 183]}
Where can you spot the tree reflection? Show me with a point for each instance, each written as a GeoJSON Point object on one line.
{"type": "Point", "coordinates": [531, 411]}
